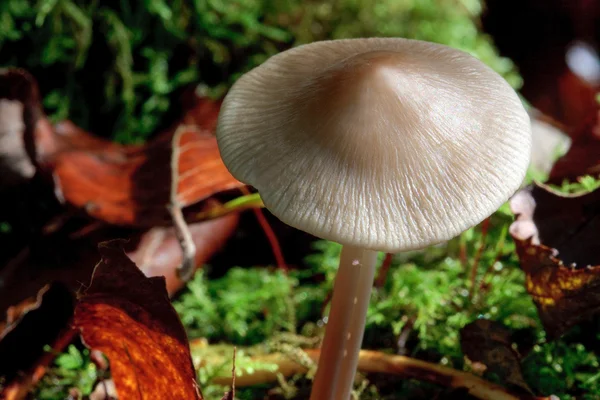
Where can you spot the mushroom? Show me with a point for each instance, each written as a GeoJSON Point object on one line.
{"type": "Point", "coordinates": [380, 144]}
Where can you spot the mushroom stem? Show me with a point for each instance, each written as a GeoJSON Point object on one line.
{"type": "Point", "coordinates": [345, 325]}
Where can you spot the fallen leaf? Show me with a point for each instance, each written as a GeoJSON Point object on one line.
{"type": "Point", "coordinates": [547, 32]}
{"type": "Point", "coordinates": [557, 242]}
{"type": "Point", "coordinates": [130, 319]}
{"type": "Point", "coordinates": [489, 343]}
{"type": "Point", "coordinates": [15, 164]}
{"type": "Point", "coordinates": [32, 325]}
{"type": "Point", "coordinates": [120, 184]}
{"type": "Point", "coordinates": [583, 157]}
{"type": "Point", "coordinates": [131, 185]}
{"type": "Point", "coordinates": [22, 123]}
{"type": "Point", "coordinates": [158, 252]}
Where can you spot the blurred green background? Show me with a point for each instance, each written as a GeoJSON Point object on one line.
{"type": "Point", "coordinates": [118, 68]}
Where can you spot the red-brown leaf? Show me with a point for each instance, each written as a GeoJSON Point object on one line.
{"type": "Point", "coordinates": [122, 185]}
{"type": "Point", "coordinates": [130, 319]}
{"type": "Point", "coordinates": [31, 325]}
{"type": "Point", "coordinates": [21, 119]}
{"type": "Point", "coordinates": [583, 157]}
{"type": "Point", "coordinates": [159, 253]}
{"type": "Point", "coordinates": [130, 185]}
{"type": "Point", "coordinates": [557, 243]}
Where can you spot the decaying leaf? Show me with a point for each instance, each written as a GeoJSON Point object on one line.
{"type": "Point", "coordinates": [583, 157]}
{"type": "Point", "coordinates": [19, 107]}
{"type": "Point", "coordinates": [489, 343]}
{"type": "Point", "coordinates": [122, 185]}
{"type": "Point", "coordinates": [130, 319]}
{"type": "Point", "coordinates": [130, 185]}
{"type": "Point", "coordinates": [158, 252]}
{"type": "Point", "coordinates": [15, 164]}
{"type": "Point", "coordinates": [22, 125]}
{"type": "Point", "coordinates": [30, 326]}
{"type": "Point", "coordinates": [557, 243]}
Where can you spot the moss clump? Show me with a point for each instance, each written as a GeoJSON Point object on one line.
{"type": "Point", "coordinates": [72, 369]}
{"type": "Point", "coordinates": [117, 68]}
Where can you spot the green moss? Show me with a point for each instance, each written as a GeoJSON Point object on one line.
{"type": "Point", "coordinates": [72, 369]}
{"type": "Point", "coordinates": [116, 68]}
{"type": "Point", "coordinates": [567, 370]}
{"type": "Point", "coordinates": [245, 307]}
{"type": "Point", "coordinates": [428, 296]}
{"type": "Point", "coordinates": [582, 185]}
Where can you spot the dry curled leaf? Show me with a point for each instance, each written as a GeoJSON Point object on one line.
{"type": "Point", "coordinates": [130, 185]}
{"type": "Point", "coordinates": [158, 252]}
{"type": "Point", "coordinates": [30, 326]}
{"type": "Point", "coordinates": [583, 157]}
{"type": "Point", "coordinates": [557, 243]}
{"type": "Point", "coordinates": [118, 184]}
{"type": "Point", "coordinates": [130, 319]}
{"type": "Point", "coordinates": [489, 343]}
{"type": "Point", "coordinates": [20, 112]}
{"type": "Point", "coordinates": [15, 164]}
{"type": "Point", "coordinates": [548, 31]}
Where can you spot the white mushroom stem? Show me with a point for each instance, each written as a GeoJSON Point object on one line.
{"type": "Point", "coordinates": [345, 325]}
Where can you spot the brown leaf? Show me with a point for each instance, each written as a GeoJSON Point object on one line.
{"type": "Point", "coordinates": [130, 319]}
{"type": "Point", "coordinates": [20, 111]}
{"type": "Point", "coordinates": [552, 231]}
{"type": "Point", "coordinates": [31, 325]}
{"type": "Point", "coordinates": [15, 164]}
{"type": "Point", "coordinates": [547, 31]}
{"type": "Point", "coordinates": [159, 254]}
{"type": "Point", "coordinates": [489, 343]}
{"type": "Point", "coordinates": [118, 184]}
{"type": "Point", "coordinates": [130, 185]}
{"type": "Point", "coordinates": [583, 157]}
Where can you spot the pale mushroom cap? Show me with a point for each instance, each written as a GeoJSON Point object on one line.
{"type": "Point", "coordinates": [384, 144]}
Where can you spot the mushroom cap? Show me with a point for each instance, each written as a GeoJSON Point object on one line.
{"type": "Point", "coordinates": [383, 143]}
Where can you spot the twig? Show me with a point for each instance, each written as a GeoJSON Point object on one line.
{"type": "Point", "coordinates": [377, 362]}
{"type": "Point", "coordinates": [188, 248]}
{"type": "Point", "coordinates": [86, 230]}
{"type": "Point", "coordinates": [236, 205]}
{"type": "Point", "coordinates": [383, 271]}
{"type": "Point", "coordinates": [462, 253]}
{"type": "Point", "coordinates": [230, 395]}
{"type": "Point", "coordinates": [271, 237]}
{"type": "Point", "coordinates": [233, 375]}
{"type": "Point", "coordinates": [404, 335]}
{"type": "Point", "coordinates": [499, 249]}
{"type": "Point", "coordinates": [484, 231]}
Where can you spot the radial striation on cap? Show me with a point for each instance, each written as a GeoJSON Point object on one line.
{"type": "Point", "coordinates": [385, 144]}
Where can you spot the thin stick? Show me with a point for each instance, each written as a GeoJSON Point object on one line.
{"type": "Point", "coordinates": [233, 375]}
{"type": "Point", "coordinates": [384, 270]}
{"type": "Point", "coordinates": [484, 231]}
{"type": "Point", "coordinates": [377, 362]}
{"type": "Point", "coordinates": [271, 237]}
{"type": "Point", "coordinates": [188, 248]}
{"type": "Point", "coordinates": [345, 326]}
